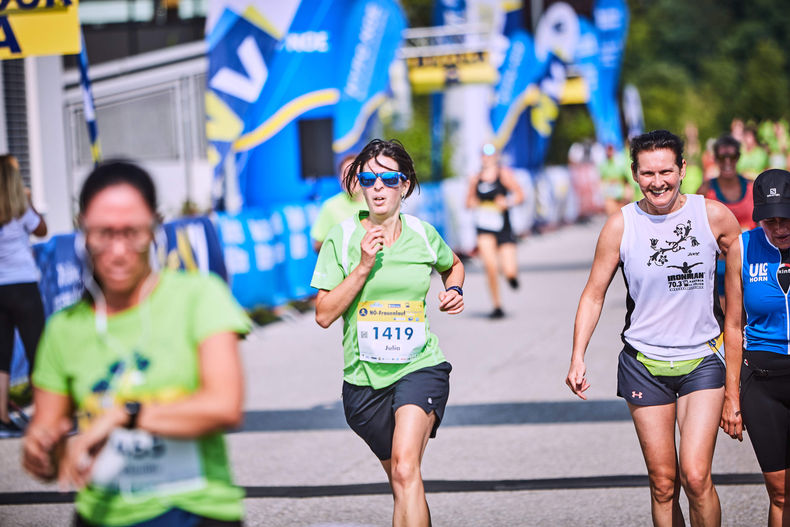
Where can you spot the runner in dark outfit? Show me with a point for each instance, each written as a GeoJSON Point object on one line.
{"type": "Point", "coordinates": [491, 193]}
{"type": "Point", "coordinates": [757, 389]}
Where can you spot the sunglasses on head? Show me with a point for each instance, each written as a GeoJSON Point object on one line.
{"type": "Point", "coordinates": [391, 179]}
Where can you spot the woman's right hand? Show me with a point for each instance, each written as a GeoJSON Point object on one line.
{"type": "Point", "coordinates": [372, 242]}
{"type": "Point", "coordinates": [40, 449]}
{"type": "Point", "coordinates": [576, 380]}
{"type": "Point", "coordinates": [731, 419]}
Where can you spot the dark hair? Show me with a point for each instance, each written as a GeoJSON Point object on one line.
{"type": "Point", "coordinates": [393, 149]}
{"type": "Point", "coordinates": [656, 140]}
{"type": "Point", "coordinates": [726, 140]}
{"type": "Point", "coordinates": [115, 172]}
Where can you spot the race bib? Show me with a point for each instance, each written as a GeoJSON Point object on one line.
{"type": "Point", "coordinates": [390, 331]}
{"type": "Point", "coordinates": [136, 463]}
{"type": "Point", "coordinates": [489, 217]}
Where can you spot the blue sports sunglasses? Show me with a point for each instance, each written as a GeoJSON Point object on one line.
{"type": "Point", "coordinates": [391, 179]}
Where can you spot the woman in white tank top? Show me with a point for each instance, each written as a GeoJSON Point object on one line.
{"type": "Point", "coordinates": [666, 245]}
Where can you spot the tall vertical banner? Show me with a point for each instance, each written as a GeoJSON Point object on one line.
{"type": "Point", "coordinates": [611, 25]}
{"type": "Point", "coordinates": [370, 40]}
{"type": "Point", "coordinates": [532, 77]}
{"type": "Point", "coordinates": [241, 37]}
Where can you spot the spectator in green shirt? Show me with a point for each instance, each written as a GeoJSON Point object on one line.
{"type": "Point", "coordinates": [337, 208]}
{"type": "Point", "coordinates": [754, 158]}
{"type": "Point", "coordinates": [148, 362]}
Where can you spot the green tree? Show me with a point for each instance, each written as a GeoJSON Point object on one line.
{"type": "Point", "coordinates": [764, 93]}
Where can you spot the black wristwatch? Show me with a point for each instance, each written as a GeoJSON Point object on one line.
{"type": "Point", "coordinates": [132, 410]}
{"type": "Point", "coordinates": [457, 289]}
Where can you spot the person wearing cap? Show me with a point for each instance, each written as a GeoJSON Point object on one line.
{"type": "Point", "coordinates": [670, 369]}
{"type": "Point", "coordinates": [757, 341]}
{"type": "Point", "coordinates": [492, 191]}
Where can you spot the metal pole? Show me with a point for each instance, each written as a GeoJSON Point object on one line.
{"type": "Point", "coordinates": [536, 10]}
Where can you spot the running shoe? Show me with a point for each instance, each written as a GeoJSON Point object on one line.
{"type": "Point", "coordinates": [513, 282]}
{"type": "Point", "coordinates": [497, 313]}
{"type": "Point", "coordinates": [10, 429]}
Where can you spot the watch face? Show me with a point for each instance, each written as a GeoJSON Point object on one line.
{"type": "Point", "coordinates": [132, 409]}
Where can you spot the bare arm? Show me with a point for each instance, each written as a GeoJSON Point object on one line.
{"type": "Point", "coordinates": [471, 194]}
{"type": "Point", "coordinates": [216, 405]}
{"type": "Point", "coordinates": [604, 267]}
{"type": "Point", "coordinates": [510, 183]}
{"type": "Point", "coordinates": [41, 228]}
{"type": "Point", "coordinates": [731, 421]}
{"type": "Point", "coordinates": [450, 301]}
{"type": "Point", "coordinates": [723, 224]}
{"type": "Point", "coordinates": [45, 433]}
{"type": "Point", "coordinates": [329, 305]}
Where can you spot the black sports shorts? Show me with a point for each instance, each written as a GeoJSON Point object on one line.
{"type": "Point", "coordinates": [506, 235]}
{"type": "Point", "coordinates": [765, 407]}
{"type": "Point", "coordinates": [371, 413]}
{"type": "Point", "coordinates": [640, 387]}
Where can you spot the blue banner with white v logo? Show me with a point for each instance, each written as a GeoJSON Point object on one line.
{"type": "Point", "coordinates": [331, 64]}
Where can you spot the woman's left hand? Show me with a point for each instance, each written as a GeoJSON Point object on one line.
{"type": "Point", "coordinates": [731, 421]}
{"type": "Point", "coordinates": [82, 449]}
{"type": "Point", "coordinates": [451, 302]}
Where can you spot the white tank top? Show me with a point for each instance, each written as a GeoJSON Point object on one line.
{"type": "Point", "coordinates": [669, 266]}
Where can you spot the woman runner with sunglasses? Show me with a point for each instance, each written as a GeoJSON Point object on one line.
{"type": "Point", "coordinates": [374, 270]}
{"type": "Point", "coordinates": [148, 362]}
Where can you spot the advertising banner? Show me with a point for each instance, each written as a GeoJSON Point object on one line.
{"type": "Point", "coordinates": [242, 36]}
{"type": "Point", "coordinates": [611, 24]}
{"type": "Point", "coordinates": [434, 73]}
{"type": "Point", "coordinates": [367, 49]}
{"type": "Point", "coordinates": [532, 79]}
{"type": "Point", "coordinates": [333, 64]}
{"type": "Point", "coordinates": [269, 257]}
{"type": "Point", "coordinates": [39, 27]}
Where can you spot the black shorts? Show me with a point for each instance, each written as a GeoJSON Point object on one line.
{"type": "Point", "coordinates": [640, 387]}
{"type": "Point", "coordinates": [371, 413]}
{"type": "Point", "coordinates": [20, 308]}
{"type": "Point", "coordinates": [765, 407]}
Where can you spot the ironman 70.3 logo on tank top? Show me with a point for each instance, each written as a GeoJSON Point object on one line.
{"type": "Point", "coordinates": [682, 258]}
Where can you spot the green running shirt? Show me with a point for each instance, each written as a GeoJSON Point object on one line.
{"type": "Point", "coordinates": [402, 273]}
{"type": "Point", "coordinates": [150, 354]}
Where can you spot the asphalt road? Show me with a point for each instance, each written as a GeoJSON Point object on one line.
{"type": "Point", "coordinates": [516, 448]}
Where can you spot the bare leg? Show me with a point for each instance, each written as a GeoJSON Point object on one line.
{"type": "Point", "coordinates": [412, 431]}
{"type": "Point", "coordinates": [778, 486]}
{"type": "Point", "coordinates": [5, 382]}
{"type": "Point", "coordinates": [507, 255]}
{"type": "Point", "coordinates": [655, 427]}
{"type": "Point", "coordinates": [486, 246]}
{"type": "Point", "coordinates": [699, 414]}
